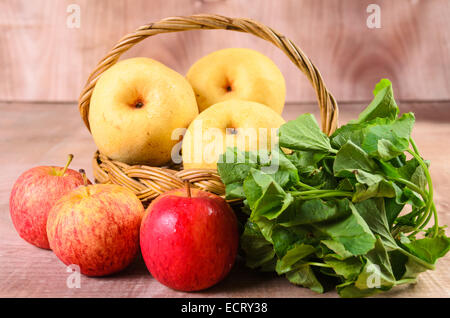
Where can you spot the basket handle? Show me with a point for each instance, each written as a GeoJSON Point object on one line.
{"type": "Point", "coordinates": [327, 103]}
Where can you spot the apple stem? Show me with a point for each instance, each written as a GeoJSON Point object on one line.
{"type": "Point", "coordinates": [69, 160]}
{"type": "Point", "coordinates": [188, 188]}
{"type": "Point", "coordinates": [85, 180]}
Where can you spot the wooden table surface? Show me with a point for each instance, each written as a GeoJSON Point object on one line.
{"type": "Point", "coordinates": [43, 134]}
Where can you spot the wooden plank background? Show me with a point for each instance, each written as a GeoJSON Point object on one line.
{"type": "Point", "coordinates": [43, 60]}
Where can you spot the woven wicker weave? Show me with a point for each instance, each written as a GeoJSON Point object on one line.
{"type": "Point", "coordinates": [148, 182]}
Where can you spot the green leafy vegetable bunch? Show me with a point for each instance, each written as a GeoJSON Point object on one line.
{"type": "Point", "coordinates": [349, 211]}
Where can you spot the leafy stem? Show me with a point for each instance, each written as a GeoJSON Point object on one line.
{"type": "Point", "coordinates": [429, 202]}
{"type": "Point", "coordinates": [332, 150]}
{"type": "Point", "coordinates": [313, 194]}
{"type": "Point", "coordinates": [412, 186]}
{"type": "Point", "coordinates": [318, 264]}
{"type": "Point", "coordinates": [413, 144]}
{"type": "Point", "coordinates": [422, 223]}
{"type": "Point", "coordinates": [406, 281]}
{"type": "Point", "coordinates": [304, 185]}
{"type": "Point", "coordinates": [427, 196]}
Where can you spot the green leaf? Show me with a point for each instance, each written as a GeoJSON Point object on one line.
{"type": "Point", "coordinates": [374, 214]}
{"type": "Point", "coordinates": [235, 191]}
{"type": "Point", "coordinates": [265, 226]}
{"type": "Point", "coordinates": [382, 138]}
{"type": "Point", "coordinates": [386, 139]}
{"type": "Point", "coordinates": [392, 209]}
{"type": "Point", "coordinates": [382, 84]}
{"type": "Point", "coordinates": [312, 211]}
{"type": "Point", "coordinates": [389, 169]}
{"type": "Point", "coordinates": [349, 290]}
{"type": "Point", "coordinates": [413, 268]}
{"type": "Point", "coordinates": [352, 232]}
{"type": "Point", "coordinates": [349, 267]}
{"type": "Point", "coordinates": [345, 185]}
{"type": "Point", "coordinates": [234, 165]}
{"type": "Point", "coordinates": [338, 248]}
{"type": "Point", "coordinates": [407, 170]}
{"type": "Point", "coordinates": [383, 105]}
{"type": "Point", "coordinates": [351, 158]}
{"type": "Point", "coordinates": [411, 197]}
{"type": "Point", "coordinates": [386, 150]}
{"type": "Point", "coordinates": [292, 257]}
{"type": "Point", "coordinates": [398, 261]}
{"type": "Point", "coordinates": [377, 272]}
{"type": "Point", "coordinates": [264, 196]}
{"type": "Point", "coordinates": [372, 185]}
{"type": "Point", "coordinates": [305, 161]}
{"type": "Point", "coordinates": [350, 132]}
{"type": "Point", "coordinates": [259, 253]}
{"type": "Point", "coordinates": [430, 248]}
{"type": "Point", "coordinates": [304, 133]}
{"type": "Point", "coordinates": [282, 170]}
{"type": "Point", "coordinates": [418, 177]}
{"type": "Point", "coordinates": [303, 275]}
{"type": "Point", "coordinates": [284, 238]}
{"type": "Point", "coordinates": [320, 179]}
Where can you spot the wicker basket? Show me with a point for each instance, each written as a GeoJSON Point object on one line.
{"type": "Point", "coordinates": [149, 182]}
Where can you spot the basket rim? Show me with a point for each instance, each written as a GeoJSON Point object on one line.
{"type": "Point", "coordinates": [149, 182]}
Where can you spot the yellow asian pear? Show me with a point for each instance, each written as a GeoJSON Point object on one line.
{"type": "Point", "coordinates": [237, 73]}
{"type": "Point", "coordinates": [135, 107]}
{"type": "Point", "coordinates": [236, 123]}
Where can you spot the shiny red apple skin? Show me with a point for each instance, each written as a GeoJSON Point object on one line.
{"type": "Point", "coordinates": [189, 243]}
{"type": "Point", "coordinates": [97, 228]}
{"type": "Point", "coordinates": [33, 195]}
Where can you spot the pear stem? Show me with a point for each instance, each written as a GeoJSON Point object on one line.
{"type": "Point", "coordinates": [69, 160]}
{"type": "Point", "coordinates": [188, 188]}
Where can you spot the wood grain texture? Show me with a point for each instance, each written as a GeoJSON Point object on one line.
{"type": "Point", "coordinates": [43, 60]}
{"type": "Point", "coordinates": [43, 134]}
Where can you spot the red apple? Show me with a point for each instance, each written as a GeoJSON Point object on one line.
{"type": "Point", "coordinates": [97, 228]}
{"type": "Point", "coordinates": [34, 194]}
{"type": "Point", "coordinates": [189, 239]}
